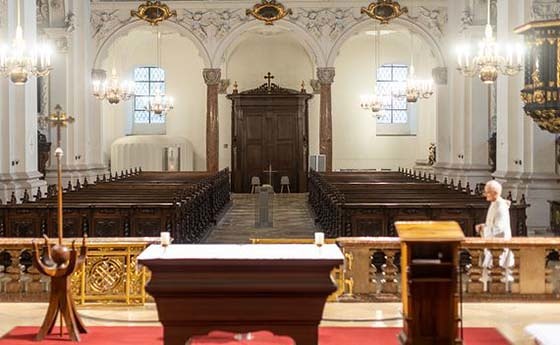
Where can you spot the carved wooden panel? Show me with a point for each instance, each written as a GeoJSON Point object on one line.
{"type": "Point", "coordinates": [269, 129]}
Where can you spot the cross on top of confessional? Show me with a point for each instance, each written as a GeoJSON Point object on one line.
{"type": "Point", "coordinates": [269, 78]}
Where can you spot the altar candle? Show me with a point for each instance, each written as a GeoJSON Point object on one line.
{"type": "Point", "coordinates": [319, 238]}
{"type": "Point", "coordinates": [165, 239]}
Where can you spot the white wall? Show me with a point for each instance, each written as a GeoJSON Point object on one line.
{"type": "Point", "coordinates": [249, 60]}
{"type": "Point", "coordinates": [356, 143]}
{"type": "Point", "coordinates": [184, 82]}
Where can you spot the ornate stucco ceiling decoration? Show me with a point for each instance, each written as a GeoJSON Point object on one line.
{"type": "Point", "coordinates": [153, 12]}
{"type": "Point", "coordinates": [384, 10]}
{"type": "Point", "coordinates": [269, 11]}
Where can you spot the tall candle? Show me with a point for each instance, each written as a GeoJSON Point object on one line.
{"type": "Point", "coordinates": [319, 238]}
{"type": "Point", "coordinates": [165, 239]}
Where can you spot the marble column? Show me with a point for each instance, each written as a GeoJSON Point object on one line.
{"type": "Point", "coordinates": [18, 115]}
{"type": "Point", "coordinates": [212, 78]}
{"type": "Point", "coordinates": [325, 75]}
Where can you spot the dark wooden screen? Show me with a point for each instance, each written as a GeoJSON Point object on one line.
{"type": "Point", "coordinates": [269, 128]}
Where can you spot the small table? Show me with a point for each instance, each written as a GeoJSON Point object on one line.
{"type": "Point", "coordinates": [281, 288]}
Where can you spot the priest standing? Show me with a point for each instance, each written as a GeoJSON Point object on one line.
{"type": "Point", "coordinates": [497, 225]}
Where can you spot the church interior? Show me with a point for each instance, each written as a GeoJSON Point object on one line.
{"type": "Point", "coordinates": [280, 172]}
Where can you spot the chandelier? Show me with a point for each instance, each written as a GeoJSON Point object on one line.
{"type": "Point", "coordinates": [488, 62]}
{"type": "Point", "coordinates": [112, 90]}
{"type": "Point", "coordinates": [18, 63]}
{"type": "Point", "coordinates": [374, 102]}
{"type": "Point", "coordinates": [159, 104]}
{"type": "Point", "coordinates": [416, 88]}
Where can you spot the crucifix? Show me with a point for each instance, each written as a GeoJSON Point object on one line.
{"type": "Point", "coordinates": [269, 77]}
{"type": "Point", "coordinates": [269, 172]}
{"type": "Point", "coordinates": [60, 262]}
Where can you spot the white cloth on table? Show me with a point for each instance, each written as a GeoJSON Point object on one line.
{"type": "Point", "coordinates": [497, 225]}
{"type": "Point", "coordinates": [544, 334]}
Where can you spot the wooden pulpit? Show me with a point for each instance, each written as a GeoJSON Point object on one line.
{"type": "Point", "coordinates": [429, 266]}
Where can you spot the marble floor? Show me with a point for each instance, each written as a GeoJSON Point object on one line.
{"type": "Point", "coordinates": [509, 318]}
{"type": "Point", "coordinates": [291, 219]}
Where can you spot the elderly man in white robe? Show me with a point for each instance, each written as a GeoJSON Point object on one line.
{"type": "Point", "coordinates": [497, 225]}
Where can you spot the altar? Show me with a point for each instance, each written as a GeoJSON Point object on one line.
{"type": "Point", "coordinates": [281, 288]}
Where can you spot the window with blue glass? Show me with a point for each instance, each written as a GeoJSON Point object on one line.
{"type": "Point", "coordinates": [390, 79]}
{"type": "Point", "coordinates": [148, 81]}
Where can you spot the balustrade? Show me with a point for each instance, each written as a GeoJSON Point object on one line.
{"type": "Point", "coordinates": [109, 275]}
{"type": "Point", "coordinates": [535, 275]}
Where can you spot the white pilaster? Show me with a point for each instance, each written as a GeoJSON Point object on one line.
{"type": "Point", "coordinates": [70, 85]}
{"type": "Point", "coordinates": [18, 105]}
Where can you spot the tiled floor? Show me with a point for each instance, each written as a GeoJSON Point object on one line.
{"type": "Point", "coordinates": [508, 318]}
{"type": "Point", "coordinates": [291, 219]}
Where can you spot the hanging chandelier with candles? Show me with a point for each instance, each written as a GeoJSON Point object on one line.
{"type": "Point", "coordinates": [374, 101]}
{"type": "Point", "coordinates": [159, 104]}
{"type": "Point", "coordinates": [18, 62]}
{"type": "Point", "coordinates": [112, 89]}
{"type": "Point", "coordinates": [415, 88]}
{"type": "Point", "coordinates": [488, 63]}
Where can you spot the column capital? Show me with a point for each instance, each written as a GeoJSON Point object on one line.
{"type": "Point", "coordinates": [98, 74]}
{"type": "Point", "coordinates": [212, 76]}
{"type": "Point", "coordinates": [440, 75]}
{"type": "Point", "coordinates": [325, 75]}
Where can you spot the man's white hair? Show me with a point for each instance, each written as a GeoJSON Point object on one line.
{"type": "Point", "coordinates": [495, 186]}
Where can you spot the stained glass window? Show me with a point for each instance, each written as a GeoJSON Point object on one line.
{"type": "Point", "coordinates": [390, 79]}
{"type": "Point", "coordinates": [147, 82]}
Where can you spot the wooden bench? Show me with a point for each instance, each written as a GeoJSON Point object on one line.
{"type": "Point", "coordinates": [368, 204]}
{"type": "Point", "coordinates": [132, 204]}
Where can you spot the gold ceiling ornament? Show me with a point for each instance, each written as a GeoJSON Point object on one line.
{"type": "Point", "coordinates": [154, 12]}
{"type": "Point", "coordinates": [384, 10]}
{"type": "Point", "coordinates": [269, 11]}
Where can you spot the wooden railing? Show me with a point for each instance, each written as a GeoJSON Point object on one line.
{"type": "Point", "coordinates": [109, 275]}
{"type": "Point", "coordinates": [372, 269]}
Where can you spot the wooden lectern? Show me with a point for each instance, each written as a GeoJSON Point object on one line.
{"type": "Point", "coordinates": [429, 265]}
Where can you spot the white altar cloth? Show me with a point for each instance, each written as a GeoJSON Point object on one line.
{"type": "Point", "coordinates": [544, 334]}
{"type": "Point", "coordinates": [147, 151]}
{"type": "Point", "coordinates": [242, 252]}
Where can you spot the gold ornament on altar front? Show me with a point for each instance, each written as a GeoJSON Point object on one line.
{"type": "Point", "coordinates": [153, 12]}
{"type": "Point", "coordinates": [384, 10]}
{"type": "Point", "coordinates": [268, 11]}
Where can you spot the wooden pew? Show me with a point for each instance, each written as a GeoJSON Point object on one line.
{"type": "Point", "coordinates": [368, 204]}
{"type": "Point", "coordinates": [132, 204]}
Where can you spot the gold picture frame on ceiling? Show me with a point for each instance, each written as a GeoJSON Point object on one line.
{"type": "Point", "coordinates": [384, 10]}
{"type": "Point", "coordinates": [153, 12]}
{"type": "Point", "coordinates": [269, 11]}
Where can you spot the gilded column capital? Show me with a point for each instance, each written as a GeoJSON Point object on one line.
{"type": "Point", "coordinates": [212, 76]}
{"type": "Point", "coordinates": [325, 75]}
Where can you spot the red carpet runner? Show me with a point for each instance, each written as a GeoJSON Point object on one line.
{"type": "Point", "coordinates": [327, 336]}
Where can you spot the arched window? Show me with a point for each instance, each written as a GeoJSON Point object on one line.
{"type": "Point", "coordinates": [148, 81]}
{"type": "Point", "coordinates": [390, 79]}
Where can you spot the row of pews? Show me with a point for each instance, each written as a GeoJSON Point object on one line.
{"type": "Point", "coordinates": [132, 204]}
{"type": "Point", "coordinates": [368, 204]}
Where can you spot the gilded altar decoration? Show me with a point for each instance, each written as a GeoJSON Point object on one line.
{"type": "Point", "coordinates": [154, 12]}
{"type": "Point", "coordinates": [269, 11]}
{"type": "Point", "coordinates": [542, 73]}
{"type": "Point", "coordinates": [384, 10]}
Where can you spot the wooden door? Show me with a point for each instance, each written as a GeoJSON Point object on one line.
{"type": "Point", "coordinates": [269, 131]}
